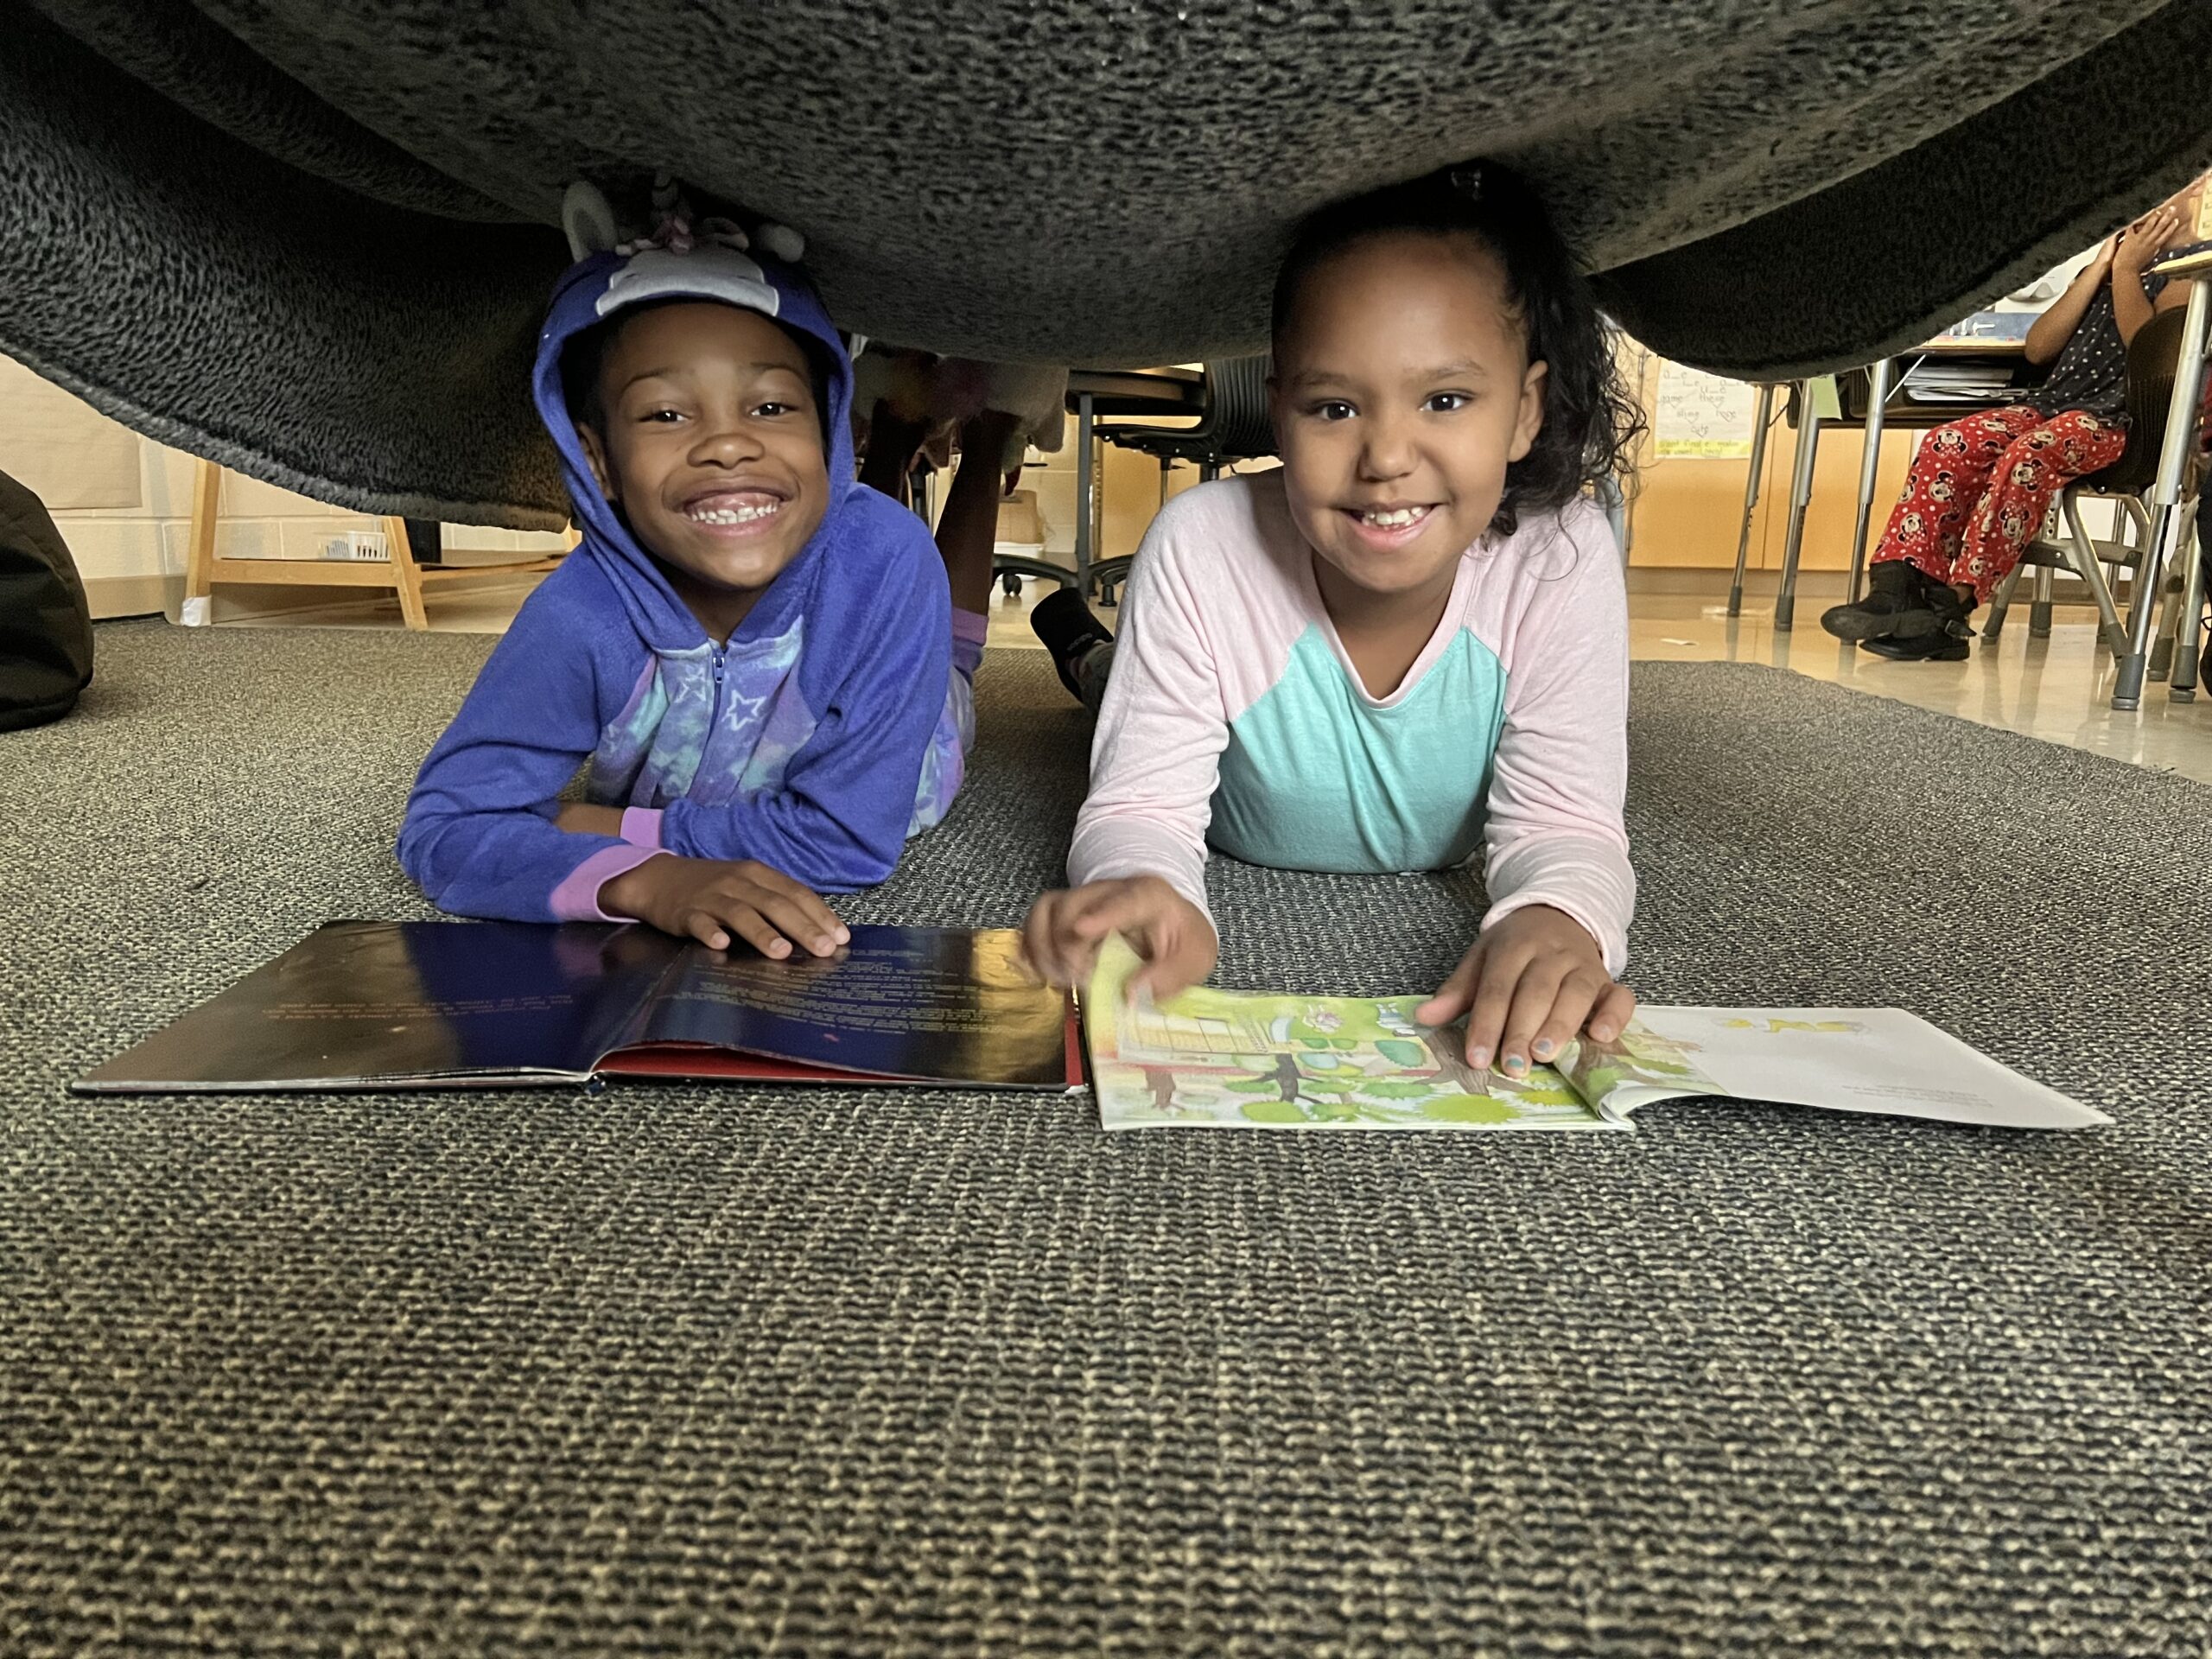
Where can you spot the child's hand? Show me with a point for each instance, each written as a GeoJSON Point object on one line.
{"type": "Point", "coordinates": [2144, 241]}
{"type": "Point", "coordinates": [1527, 987]}
{"type": "Point", "coordinates": [1065, 929]}
{"type": "Point", "coordinates": [713, 900]}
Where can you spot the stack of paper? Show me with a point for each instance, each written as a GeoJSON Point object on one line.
{"type": "Point", "coordinates": [1968, 382]}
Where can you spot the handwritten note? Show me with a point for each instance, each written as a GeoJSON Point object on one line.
{"type": "Point", "coordinates": [1701, 416]}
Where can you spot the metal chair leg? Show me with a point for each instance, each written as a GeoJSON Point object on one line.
{"type": "Point", "coordinates": [1012, 567]}
{"type": "Point", "coordinates": [1086, 491]}
{"type": "Point", "coordinates": [2165, 495]}
{"type": "Point", "coordinates": [2170, 604]}
{"type": "Point", "coordinates": [2187, 643]}
{"type": "Point", "coordinates": [1999, 602]}
{"type": "Point", "coordinates": [2091, 569]}
{"type": "Point", "coordinates": [1801, 498]}
{"type": "Point", "coordinates": [2039, 609]}
{"type": "Point", "coordinates": [1759, 424]}
{"type": "Point", "coordinates": [1877, 398]}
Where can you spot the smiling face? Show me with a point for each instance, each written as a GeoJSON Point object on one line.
{"type": "Point", "coordinates": [708, 438]}
{"type": "Point", "coordinates": [1403, 390]}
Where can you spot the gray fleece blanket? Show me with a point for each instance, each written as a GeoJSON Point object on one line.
{"type": "Point", "coordinates": [311, 238]}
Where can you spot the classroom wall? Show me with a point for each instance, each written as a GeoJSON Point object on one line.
{"type": "Point", "coordinates": [1688, 512]}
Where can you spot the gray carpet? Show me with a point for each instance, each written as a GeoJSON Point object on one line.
{"type": "Point", "coordinates": [680, 1370]}
{"type": "Point", "coordinates": [312, 239]}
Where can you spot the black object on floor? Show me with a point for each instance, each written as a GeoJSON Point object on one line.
{"type": "Point", "coordinates": [46, 627]}
{"type": "Point", "coordinates": [1900, 603]}
{"type": "Point", "coordinates": [1063, 622]}
{"type": "Point", "coordinates": [1944, 647]}
{"type": "Point", "coordinates": [705, 1370]}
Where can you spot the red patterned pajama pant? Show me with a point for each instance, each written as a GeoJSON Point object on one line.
{"type": "Point", "coordinates": [1978, 489]}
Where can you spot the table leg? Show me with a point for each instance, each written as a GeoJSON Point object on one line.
{"type": "Point", "coordinates": [1801, 496]}
{"type": "Point", "coordinates": [200, 551]}
{"type": "Point", "coordinates": [2165, 499]}
{"type": "Point", "coordinates": [406, 575]}
{"type": "Point", "coordinates": [2187, 638]}
{"type": "Point", "coordinates": [1086, 492]}
{"type": "Point", "coordinates": [1878, 397]}
{"type": "Point", "coordinates": [1750, 496]}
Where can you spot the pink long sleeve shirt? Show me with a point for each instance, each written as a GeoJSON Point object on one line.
{"type": "Point", "coordinates": [1234, 718]}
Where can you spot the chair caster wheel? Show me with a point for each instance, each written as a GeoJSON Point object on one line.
{"type": "Point", "coordinates": [1012, 584]}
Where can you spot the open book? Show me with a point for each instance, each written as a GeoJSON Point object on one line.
{"type": "Point", "coordinates": [426, 1005]}
{"type": "Point", "coordinates": [1212, 1059]}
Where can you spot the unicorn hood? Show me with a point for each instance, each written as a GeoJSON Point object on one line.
{"type": "Point", "coordinates": [718, 264]}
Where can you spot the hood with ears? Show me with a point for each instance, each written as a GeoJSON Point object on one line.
{"type": "Point", "coordinates": [721, 268]}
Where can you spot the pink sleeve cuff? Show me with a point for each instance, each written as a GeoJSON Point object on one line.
{"type": "Point", "coordinates": [576, 900]}
{"type": "Point", "coordinates": [641, 826]}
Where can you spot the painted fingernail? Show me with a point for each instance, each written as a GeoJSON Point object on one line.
{"type": "Point", "coordinates": [1516, 1065]}
{"type": "Point", "coordinates": [1478, 1056]}
{"type": "Point", "coordinates": [1544, 1047]}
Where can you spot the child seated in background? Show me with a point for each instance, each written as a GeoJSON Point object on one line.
{"type": "Point", "coordinates": [755, 653]}
{"type": "Point", "coordinates": [1980, 485]}
{"type": "Point", "coordinates": [1408, 644]}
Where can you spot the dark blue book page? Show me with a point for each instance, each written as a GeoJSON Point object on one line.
{"type": "Point", "coordinates": [387, 1004]}
{"type": "Point", "coordinates": [948, 1005]}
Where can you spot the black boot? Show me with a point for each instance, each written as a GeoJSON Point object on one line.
{"type": "Point", "coordinates": [1071, 633]}
{"type": "Point", "coordinates": [1901, 603]}
{"type": "Point", "coordinates": [1947, 644]}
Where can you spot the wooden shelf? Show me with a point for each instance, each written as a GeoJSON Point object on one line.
{"type": "Point", "coordinates": [399, 574]}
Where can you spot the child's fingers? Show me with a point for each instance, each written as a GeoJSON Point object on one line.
{"type": "Point", "coordinates": [1454, 995]}
{"type": "Point", "coordinates": [1493, 1000]}
{"type": "Point", "coordinates": [742, 921]}
{"type": "Point", "coordinates": [707, 929]}
{"type": "Point", "coordinates": [1578, 993]}
{"type": "Point", "coordinates": [1174, 965]}
{"type": "Point", "coordinates": [814, 911]}
{"type": "Point", "coordinates": [1532, 1004]}
{"type": "Point", "coordinates": [1112, 908]}
{"type": "Point", "coordinates": [808, 925]}
{"type": "Point", "coordinates": [1612, 1013]}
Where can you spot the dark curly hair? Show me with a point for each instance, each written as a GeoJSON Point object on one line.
{"type": "Point", "coordinates": [1590, 421]}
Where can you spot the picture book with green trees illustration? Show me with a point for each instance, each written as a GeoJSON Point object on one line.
{"type": "Point", "coordinates": [1212, 1059]}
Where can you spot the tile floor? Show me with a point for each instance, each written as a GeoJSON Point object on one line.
{"type": "Point", "coordinates": [2057, 689]}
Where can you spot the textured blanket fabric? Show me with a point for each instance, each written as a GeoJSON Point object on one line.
{"type": "Point", "coordinates": [689, 1370]}
{"type": "Point", "coordinates": [310, 237]}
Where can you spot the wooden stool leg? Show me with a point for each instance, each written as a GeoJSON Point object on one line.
{"type": "Point", "coordinates": [406, 575]}
{"type": "Point", "coordinates": [200, 553]}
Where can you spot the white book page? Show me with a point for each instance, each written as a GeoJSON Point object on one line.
{"type": "Point", "coordinates": [1882, 1060]}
